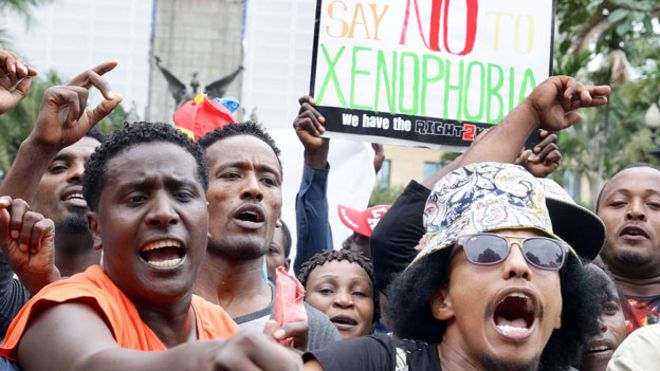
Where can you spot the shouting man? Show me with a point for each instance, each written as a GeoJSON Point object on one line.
{"type": "Point", "coordinates": [492, 288]}
{"type": "Point", "coordinates": [629, 205]}
{"type": "Point", "coordinates": [145, 188]}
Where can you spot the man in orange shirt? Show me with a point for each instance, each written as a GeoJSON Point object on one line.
{"type": "Point", "coordinates": [145, 188]}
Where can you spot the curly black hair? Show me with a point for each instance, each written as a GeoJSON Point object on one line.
{"type": "Point", "coordinates": [341, 255]}
{"type": "Point", "coordinates": [240, 128]}
{"type": "Point", "coordinates": [96, 134]}
{"type": "Point", "coordinates": [130, 135]}
{"type": "Point", "coordinates": [411, 293]}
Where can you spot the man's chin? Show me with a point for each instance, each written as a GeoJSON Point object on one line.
{"type": "Point", "coordinates": [632, 258]}
{"type": "Point", "coordinates": [491, 362]}
{"type": "Point", "coordinates": [239, 248]}
{"type": "Point", "coordinates": [74, 223]}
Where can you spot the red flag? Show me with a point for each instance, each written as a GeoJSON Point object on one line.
{"type": "Point", "coordinates": [201, 115]}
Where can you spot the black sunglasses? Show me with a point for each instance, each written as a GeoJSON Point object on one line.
{"type": "Point", "coordinates": [489, 249]}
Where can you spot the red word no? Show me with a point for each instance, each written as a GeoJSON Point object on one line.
{"type": "Point", "coordinates": [438, 11]}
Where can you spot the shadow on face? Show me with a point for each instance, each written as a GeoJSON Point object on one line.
{"type": "Point", "coordinates": [277, 256]}
{"type": "Point", "coordinates": [612, 323]}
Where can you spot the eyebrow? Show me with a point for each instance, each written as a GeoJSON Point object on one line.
{"type": "Point", "coordinates": [242, 165]}
{"type": "Point", "coordinates": [169, 183]}
{"type": "Point", "coordinates": [352, 278]}
{"type": "Point", "coordinates": [62, 156]}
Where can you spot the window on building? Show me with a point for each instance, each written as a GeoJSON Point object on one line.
{"type": "Point", "coordinates": [431, 168]}
{"type": "Point", "coordinates": [383, 176]}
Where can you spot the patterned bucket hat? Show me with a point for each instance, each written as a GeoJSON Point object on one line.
{"type": "Point", "coordinates": [484, 197]}
{"type": "Point", "coordinates": [575, 224]}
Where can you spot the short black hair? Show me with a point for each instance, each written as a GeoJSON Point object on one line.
{"type": "Point", "coordinates": [126, 137]}
{"type": "Point", "coordinates": [411, 293]}
{"type": "Point", "coordinates": [639, 164]}
{"type": "Point", "coordinates": [287, 239]}
{"type": "Point", "coordinates": [95, 133]}
{"type": "Point", "coordinates": [240, 128]}
{"type": "Point", "coordinates": [605, 285]}
{"type": "Point", "coordinates": [341, 255]}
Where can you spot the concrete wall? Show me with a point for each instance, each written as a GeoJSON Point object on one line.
{"type": "Point", "coordinates": [189, 36]}
{"type": "Point", "coordinates": [408, 163]}
{"type": "Point", "coordinates": [70, 36]}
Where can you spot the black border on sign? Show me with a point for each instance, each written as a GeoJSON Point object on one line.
{"type": "Point", "coordinates": [315, 46]}
{"type": "Point", "coordinates": [552, 37]}
{"type": "Point", "coordinates": [326, 110]}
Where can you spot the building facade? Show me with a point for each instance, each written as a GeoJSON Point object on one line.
{"type": "Point", "coordinates": [193, 36]}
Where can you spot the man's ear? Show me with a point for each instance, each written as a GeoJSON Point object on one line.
{"type": "Point", "coordinates": [441, 305]}
{"type": "Point", "coordinates": [558, 321]}
{"type": "Point", "coordinates": [94, 228]}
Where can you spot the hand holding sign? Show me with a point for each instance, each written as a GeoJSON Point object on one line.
{"type": "Point", "coordinates": [309, 128]}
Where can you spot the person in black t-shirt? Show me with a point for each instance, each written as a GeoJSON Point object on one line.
{"type": "Point", "coordinates": [492, 286]}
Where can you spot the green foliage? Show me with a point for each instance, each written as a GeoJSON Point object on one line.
{"type": "Point", "coordinates": [12, 8]}
{"type": "Point", "coordinates": [384, 195]}
{"type": "Point", "coordinates": [613, 136]}
{"type": "Point", "coordinates": [16, 124]}
{"type": "Point", "coordinates": [114, 120]}
{"type": "Point", "coordinates": [20, 7]}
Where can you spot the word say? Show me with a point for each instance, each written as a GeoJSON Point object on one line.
{"type": "Point", "coordinates": [348, 20]}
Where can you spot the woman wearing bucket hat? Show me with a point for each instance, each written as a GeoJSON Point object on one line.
{"type": "Point", "coordinates": [493, 286]}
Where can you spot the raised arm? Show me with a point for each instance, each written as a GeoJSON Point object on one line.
{"type": "Point", "coordinates": [312, 226]}
{"type": "Point", "coordinates": [550, 106]}
{"type": "Point", "coordinates": [27, 240]}
{"type": "Point", "coordinates": [15, 80]}
{"type": "Point", "coordinates": [62, 121]}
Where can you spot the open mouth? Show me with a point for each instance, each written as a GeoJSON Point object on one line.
{"type": "Point", "coordinates": [633, 232]}
{"type": "Point", "coordinates": [163, 253]}
{"type": "Point", "coordinates": [514, 315]}
{"type": "Point", "coordinates": [343, 322]}
{"type": "Point", "coordinates": [599, 349]}
{"type": "Point", "coordinates": [249, 216]}
{"type": "Point", "coordinates": [75, 197]}
{"type": "Point", "coordinates": [600, 345]}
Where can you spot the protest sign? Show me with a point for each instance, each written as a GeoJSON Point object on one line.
{"type": "Point", "coordinates": [427, 72]}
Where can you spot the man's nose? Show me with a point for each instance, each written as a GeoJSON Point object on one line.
{"type": "Point", "coordinates": [515, 265]}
